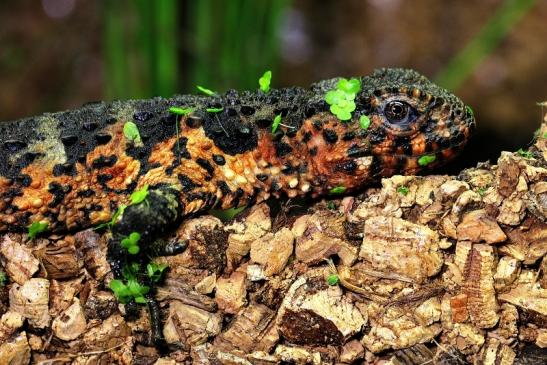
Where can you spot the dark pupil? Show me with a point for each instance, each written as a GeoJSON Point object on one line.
{"type": "Point", "coordinates": [396, 111]}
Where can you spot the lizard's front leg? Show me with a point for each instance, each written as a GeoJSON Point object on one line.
{"type": "Point", "coordinates": [155, 215]}
{"type": "Point", "coordinates": [151, 218]}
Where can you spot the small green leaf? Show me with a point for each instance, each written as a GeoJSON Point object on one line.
{"type": "Point", "coordinates": [131, 132]}
{"type": "Point", "coordinates": [120, 290]}
{"type": "Point", "coordinates": [135, 237]}
{"type": "Point", "coordinates": [214, 110]}
{"type": "Point", "coordinates": [276, 122]}
{"type": "Point", "coordinates": [129, 272]}
{"type": "Point", "coordinates": [333, 279]}
{"type": "Point", "coordinates": [131, 243]}
{"type": "Point", "coordinates": [481, 191]}
{"type": "Point", "coordinates": [180, 111]}
{"type": "Point", "coordinates": [426, 160]}
{"type": "Point", "coordinates": [364, 122]}
{"type": "Point", "coordinates": [3, 278]}
{"type": "Point", "coordinates": [338, 190]}
{"type": "Point", "coordinates": [205, 90]}
{"type": "Point", "coordinates": [469, 110]}
{"type": "Point", "coordinates": [525, 154]}
{"type": "Point", "coordinates": [140, 299]}
{"type": "Point", "coordinates": [341, 113]}
{"type": "Point", "coordinates": [117, 285]}
{"type": "Point", "coordinates": [334, 97]}
{"type": "Point", "coordinates": [403, 190]}
{"type": "Point", "coordinates": [545, 135]}
{"type": "Point", "coordinates": [137, 290]}
{"type": "Point", "coordinates": [264, 81]}
{"type": "Point", "coordinates": [119, 211]}
{"type": "Point", "coordinates": [139, 195]}
{"type": "Point", "coordinates": [36, 228]}
{"type": "Point", "coordinates": [331, 206]}
{"type": "Point", "coordinates": [351, 86]}
{"type": "Point", "coordinates": [155, 271]}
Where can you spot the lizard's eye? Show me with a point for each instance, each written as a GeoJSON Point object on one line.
{"type": "Point", "coordinates": [397, 112]}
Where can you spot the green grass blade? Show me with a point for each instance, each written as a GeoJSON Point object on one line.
{"type": "Point", "coordinates": [165, 42]}
{"type": "Point", "coordinates": [488, 38]}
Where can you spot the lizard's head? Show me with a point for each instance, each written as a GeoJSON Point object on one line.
{"type": "Point", "coordinates": [414, 124]}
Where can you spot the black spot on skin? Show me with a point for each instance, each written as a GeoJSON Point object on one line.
{"type": "Point", "coordinates": [313, 151]}
{"type": "Point", "coordinates": [29, 157]}
{"type": "Point", "coordinates": [224, 188]}
{"type": "Point", "coordinates": [169, 120]}
{"type": "Point", "coordinates": [262, 177]}
{"type": "Point", "coordinates": [104, 178]}
{"type": "Point", "coordinates": [287, 169]}
{"type": "Point", "coordinates": [59, 191]}
{"type": "Point", "coordinates": [278, 135]}
{"type": "Point", "coordinates": [111, 120]}
{"type": "Point", "coordinates": [318, 125]}
{"type": "Point", "coordinates": [356, 151]}
{"type": "Point", "coordinates": [378, 137]}
{"type": "Point", "coordinates": [309, 112]}
{"type": "Point", "coordinates": [180, 150]}
{"type": "Point", "coordinates": [247, 110]}
{"type": "Point", "coordinates": [187, 183]}
{"type": "Point", "coordinates": [400, 163]}
{"type": "Point", "coordinates": [90, 126]}
{"type": "Point", "coordinates": [206, 165]}
{"type": "Point", "coordinates": [306, 137]}
{"type": "Point", "coordinates": [330, 136]}
{"type": "Point", "coordinates": [14, 146]}
{"type": "Point", "coordinates": [348, 136]}
{"type": "Point", "coordinates": [282, 149]}
{"type": "Point", "coordinates": [64, 169]}
{"type": "Point", "coordinates": [263, 123]}
{"type": "Point", "coordinates": [103, 138]}
{"type": "Point", "coordinates": [104, 161]}
{"type": "Point", "coordinates": [251, 199]}
{"type": "Point", "coordinates": [376, 166]}
{"type": "Point", "coordinates": [291, 132]}
{"type": "Point", "coordinates": [85, 193]}
{"type": "Point", "coordinates": [24, 180]}
{"type": "Point", "coordinates": [404, 143]}
{"type": "Point", "coordinates": [347, 166]}
{"type": "Point", "coordinates": [276, 186]}
{"type": "Point", "coordinates": [219, 160]}
{"type": "Point", "coordinates": [143, 116]}
{"type": "Point", "coordinates": [237, 195]}
{"type": "Point", "coordinates": [231, 112]}
{"type": "Point", "coordinates": [195, 196]}
{"type": "Point", "coordinates": [12, 193]}
{"type": "Point", "coordinates": [69, 140]}
{"type": "Point", "coordinates": [229, 134]}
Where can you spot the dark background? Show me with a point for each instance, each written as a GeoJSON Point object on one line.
{"type": "Point", "coordinates": [58, 54]}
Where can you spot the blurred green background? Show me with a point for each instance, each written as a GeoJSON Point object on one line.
{"type": "Point", "coordinates": [58, 54]}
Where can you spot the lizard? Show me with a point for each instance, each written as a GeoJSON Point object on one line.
{"type": "Point", "coordinates": [73, 169]}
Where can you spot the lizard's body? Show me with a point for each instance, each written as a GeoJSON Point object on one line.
{"type": "Point", "coordinates": [72, 169]}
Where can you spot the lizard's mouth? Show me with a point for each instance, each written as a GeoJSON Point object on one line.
{"type": "Point", "coordinates": [393, 163]}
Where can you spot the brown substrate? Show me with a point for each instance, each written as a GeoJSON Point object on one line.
{"type": "Point", "coordinates": [434, 269]}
